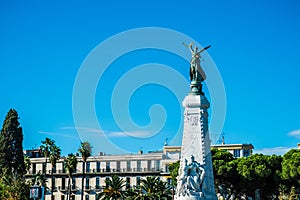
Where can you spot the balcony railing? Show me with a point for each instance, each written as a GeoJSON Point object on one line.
{"type": "Point", "coordinates": [103, 170]}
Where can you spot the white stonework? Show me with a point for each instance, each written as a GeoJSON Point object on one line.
{"type": "Point", "coordinates": [196, 143]}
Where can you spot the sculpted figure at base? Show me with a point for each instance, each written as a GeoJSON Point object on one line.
{"type": "Point", "coordinates": [195, 63]}
{"type": "Point", "coordinates": [190, 181]}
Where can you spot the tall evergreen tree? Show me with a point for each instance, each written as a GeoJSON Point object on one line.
{"type": "Point", "coordinates": [11, 148]}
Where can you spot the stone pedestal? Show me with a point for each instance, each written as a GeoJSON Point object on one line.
{"type": "Point", "coordinates": [195, 143]}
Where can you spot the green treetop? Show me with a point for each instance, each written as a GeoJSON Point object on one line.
{"type": "Point", "coordinates": [11, 148]}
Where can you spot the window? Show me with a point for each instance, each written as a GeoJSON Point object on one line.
{"type": "Point", "coordinates": [138, 164]}
{"type": "Point", "coordinates": [62, 197]}
{"type": "Point", "coordinates": [44, 168]}
{"type": "Point", "coordinates": [63, 168]}
{"type": "Point", "coordinates": [87, 183]}
{"type": "Point", "coordinates": [107, 166]}
{"type": "Point", "coordinates": [73, 197]}
{"type": "Point", "coordinates": [149, 165]}
{"type": "Point", "coordinates": [157, 165]}
{"type": "Point", "coordinates": [33, 168]}
{"type": "Point", "coordinates": [169, 181]}
{"type": "Point", "coordinates": [127, 182]}
{"type": "Point", "coordinates": [63, 183]}
{"type": "Point", "coordinates": [246, 152]}
{"type": "Point", "coordinates": [118, 166]}
{"type": "Point", "coordinates": [97, 183]}
{"type": "Point", "coordinates": [167, 168]}
{"type": "Point", "coordinates": [128, 166]}
{"type": "Point", "coordinates": [54, 168]}
{"type": "Point", "coordinates": [88, 164]}
{"type": "Point", "coordinates": [98, 166]}
{"type": "Point", "coordinates": [53, 182]}
{"type": "Point", "coordinates": [87, 197]}
{"type": "Point", "coordinates": [107, 182]}
{"type": "Point", "coordinates": [73, 183]}
{"type": "Point", "coordinates": [236, 153]}
{"type": "Point", "coordinates": [138, 181]}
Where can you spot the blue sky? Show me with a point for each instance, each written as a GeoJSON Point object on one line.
{"type": "Point", "coordinates": [255, 47]}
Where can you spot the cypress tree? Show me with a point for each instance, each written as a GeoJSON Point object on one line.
{"type": "Point", "coordinates": [11, 148]}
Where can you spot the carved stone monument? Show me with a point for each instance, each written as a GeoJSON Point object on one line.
{"type": "Point", "coordinates": [195, 180]}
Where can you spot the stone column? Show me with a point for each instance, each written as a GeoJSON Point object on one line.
{"type": "Point", "coordinates": [196, 143]}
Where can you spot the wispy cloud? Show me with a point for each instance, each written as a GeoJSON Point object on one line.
{"type": "Point", "coordinates": [273, 150]}
{"type": "Point", "coordinates": [139, 134]}
{"type": "Point", "coordinates": [295, 133]}
{"type": "Point", "coordinates": [115, 134]}
{"type": "Point", "coordinates": [85, 129]}
{"type": "Point", "coordinates": [58, 134]}
{"type": "Point", "coordinates": [110, 134]}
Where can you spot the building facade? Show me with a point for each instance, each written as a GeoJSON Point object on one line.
{"type": "Point", "coordinates": [130, 167]}
{"type": "Point", "coordinates": [237, 150]}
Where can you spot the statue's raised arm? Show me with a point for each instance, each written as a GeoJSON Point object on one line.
{"type": "Point", "coordinates": [190, 46]}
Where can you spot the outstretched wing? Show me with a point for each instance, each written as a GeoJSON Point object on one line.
{"type": "Point", "coordinates": [204, 48]}
{"type": "Point", "coordinates": [207, 47]}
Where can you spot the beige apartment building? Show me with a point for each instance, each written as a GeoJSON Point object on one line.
{"type": "Point", "coordinates": [131, 167]}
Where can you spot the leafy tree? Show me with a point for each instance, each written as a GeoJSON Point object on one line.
{"type": "Point", "coordinates": [114, 191]}
{"type": "Point", "coordinates": [293, 194]}
{"type": "Point", "coordinates": [11, 148]}
{"type": "Point", "coordinates": [174, 168]}
{"type": "Point", "coordinates": [260, 172]}
{"type": "Point", "coordinates": [4, 191]}
{"type": "Point", "coordinates": [14, 188]}
{"type": "Point", "coordinates": [54, 156]}
{"type": "Point", "coordinates": [227, 180]}
{"type": "Point", "coordinates": [70, 165]}
{"type": "Point", "coordinates": [291, 168]}
{"type": "Point", "coordinates": [85, 150]}
{"type": "Point", "coordinates": [27, 163]}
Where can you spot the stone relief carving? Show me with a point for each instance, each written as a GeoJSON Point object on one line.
{"type": "Point", "coordinates": [190, 181]}
{"type": "Point", "coordinates": [193, 120]}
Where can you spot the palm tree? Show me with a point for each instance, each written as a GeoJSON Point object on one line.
{"type": "Point", "coordinates": [55, 152]}
{"type": "Point", "coordinates": [152, 189]}
{"type": "Point", "coordinates": [85, 150]}
{"type": "Point", "coordinates": [70, 165]}
{"type": "Point", "coordinates": [114, 191]}
{"type": "Point", "coordinates": [163, 191]}
{"type": "Point", "coordinates": [149, 187]}
{"type": "Point", "coordinates": [45, 148]}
